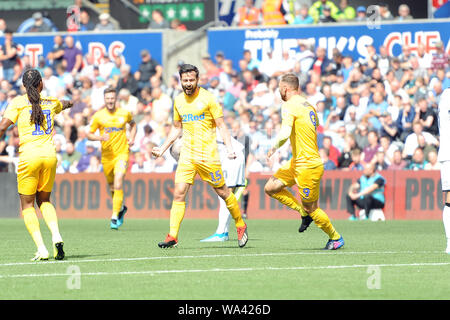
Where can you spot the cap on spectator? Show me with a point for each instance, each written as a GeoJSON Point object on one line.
{"type": "Point", "coordinates": [361, 9]}
{"type": "Point", "coordinates": [214, 79]}
{"type": "Point", "coordinates": [180, 63]}
{"type": "Point", "coordinates": [144, 52]}
{"type": "Point", "coordinates": [90, 144]}
{"type": "Point", "coordinates": [104, 16]}
{"type": "Point", "coordinates": [439, 44]}
{"type": "Point", "coordinates": [220, 54]}
{"type": "Point", "coordinates": [261, 87]}
{"type": "Point", "coordinates": [326, 7]}
{"type": "Point", "coordinates": [37, 16]}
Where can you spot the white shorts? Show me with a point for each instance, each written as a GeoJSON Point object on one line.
{"type": "Point", "coordinates": [445, 175]}
{"type": "Point", "coordinates": [234, 171]}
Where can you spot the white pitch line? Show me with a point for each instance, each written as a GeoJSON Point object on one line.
{"type": "Point", "coordinates": [43, 263]}
{"type": "Point", "coordinates": [156, 272]}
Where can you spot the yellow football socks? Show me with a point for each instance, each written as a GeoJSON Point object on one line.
{"type": "Point", "coordinates": [49, 214]}
{"type": "Point", "coordinates": [323, 222]}
{"type": "Point", "coordinates": [234, 209]}
{"type": "Point", "coordinates": [117, 203]}
{"type": "Point", "coordinates": [176, 216]}
{"type": "Point", "coordinates": [288, 199]}
{"type": "Point", "coordinates": [32, 224]}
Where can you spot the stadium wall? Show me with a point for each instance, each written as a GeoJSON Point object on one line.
{"type": "Point", "coordinates": [410, 195]}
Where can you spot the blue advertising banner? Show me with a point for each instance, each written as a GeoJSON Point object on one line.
{"type": "Point", "coordinates": [125, 44]}
{"type": "Point", "coordinates": [349, 39]}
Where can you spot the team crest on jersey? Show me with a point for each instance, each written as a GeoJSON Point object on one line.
{"type": "Point", "coordinates": [200, 105]}
{"type": "Point", "coordinates": [312, 116]}
{"type": "Point", "coordinates": [121, 120]}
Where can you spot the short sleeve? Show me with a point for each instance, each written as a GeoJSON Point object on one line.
{"type": "Point", "coordinates": [176, 114]}
{"type": "Point", "coordinates": [215, 108]}
{"type": "Point", "coordinates": [94, 124]}
{"type": "Point", "coordinates": [58, 106]}
{"type": "Point", "coordinates": [12, 112]}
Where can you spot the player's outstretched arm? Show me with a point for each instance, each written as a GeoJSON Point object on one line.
{"type": "Point", "coordinates": [4, 125]}
{"type": "Point", "coordinates": [225, 134]}
{"type": "Point", "coordinates": [176, 131]}
{"type": "Point", "coordinates": [133, 130]}
{"type": "Point", "coordinates": [66, 104]}
{"type": "Point", "coordinates": [281, 138]}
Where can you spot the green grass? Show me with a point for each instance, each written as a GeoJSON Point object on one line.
{"type": "Point", "coordinates": [277, 263]}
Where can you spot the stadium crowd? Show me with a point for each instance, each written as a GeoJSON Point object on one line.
{"type": "Point", "coordinates": [381, 109]}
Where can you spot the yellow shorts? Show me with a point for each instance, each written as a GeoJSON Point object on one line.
{"type": "Point", "coordinates": [114, 166]}
{"type": "Point", "coordinates": [307, 180]}
{"type": "Point", "coordinates": [36, 175]}
{"type": "Point", "coordinates": [209, 171]}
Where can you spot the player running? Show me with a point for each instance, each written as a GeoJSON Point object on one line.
{"type": "Point", "coordinates": [34, 115]}
{"type": "Point", "coordinates": [234, 173]}
{"type": "Point", "coordinates": [196, 114]}
{"type": "Point", "coordinates": [299, 123]}
{"type": "Point", "coordinates": [112, 123]}
{"type": "Point", "coordinates": [444, 158]}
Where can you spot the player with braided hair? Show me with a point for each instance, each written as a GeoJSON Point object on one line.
{"type": "Point", "coordinates": [34, 116]}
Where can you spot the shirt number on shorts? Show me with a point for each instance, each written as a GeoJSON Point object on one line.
{"type": "Point", "coordinates": [216, 176]}
{"type": "Point", "coordinates": [38, 131]}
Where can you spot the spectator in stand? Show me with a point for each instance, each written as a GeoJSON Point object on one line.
{"type": "Point", "coordinates": [321, 62]}
{"type": "Point", "coordinates": [334, 152]}
{"type": "Point", "coordinates": [388, 127]}
{"type": "Point", "coordinates": [251, 61]}
{"type": "Point", "coordinates": [405, 120]}
{"type": "Point", "coordinates": [412, 140]}
{"type": "Point", "coordinates": [345, 158]}
{"type": "Point", "coordinates": [128, 101]}
{"type": "Point", "coordinates": [8, 56]}
{"type": "Point", "coordinates": [127, 80]}
{"type": "Point", "coordinates": [424, 58]}
{"type": "Point", "coordinates": [346, 12]}
{"type": "Point", "coordinates": [3, 27]}
{"type": "Point", "coordinates": [141, 165]}
{"type": "Point", "coordinates": [326, 15]}
{"type": "Point", "coordinates": [403, 13]}
{"type": "Point", "coordinates": [316, 11]}
{"type": "Point", "coordinates": [73, 57]}
{"type": "Point", "coordinates": [384, 11]}
{"type": "Point", "coordinates": [85, 21]}
{"type": "Point", "coordinates": [440, 60]}
{"type": "Point", "coordinates": [211, 70]}
{"type": "Point", "coordinates": [51, 82]}
{"type": "Point", "coordinates": [148, 68]}
{"type": "Point", "coordinates": [418, 161]}
{"type": "Point", "coordinates": [158, 21]}
{"type": "Point", "coordinates": [302, 16]}
{"type": "Point", "coordinates": [39, 24]}
{"type": "Point", "coordinates": [85, 159]}
{"type": "Point", "coordinates": [70, 158]}
{"type": "Point", "coordinates": [379, 160]}
{"type": "Point", "coordinates": [433, 163]}
{"type": "Point", "coordinates": [356, 165]}
{"type": "Point", "coordinates": [105, 67]}
{"type": "Point", "coordinates": [367, 193]}
{"type": "Point", "coordinates": [74, 117]}
{"type": "Point", "coordinates": [327, 163]}
{"type": "Point", "coordinates": [427, 117]}
{"type": "Point", "coordinates": [176, 24]}
{"type": "Point", "coordinates": [105, 23]}
{"type": "Point", "coordinates": [398, 163]}
{"type": "Point", "coordinates": [94, 165]}
{"type": "Point", "coordinates": [272, 13]}
{"type": "Point", "coordinates": [361, 14]}
{"type": "Point", "coordinates": [370, 151]}
{"type": "Point", "coordinates": [248, 15]}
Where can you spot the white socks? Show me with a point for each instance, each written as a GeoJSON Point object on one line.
{"type": "Point", "coordinates": [224, 217]}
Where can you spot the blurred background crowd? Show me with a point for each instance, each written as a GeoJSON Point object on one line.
{"type": "Point", "coordinates": [381, 109]}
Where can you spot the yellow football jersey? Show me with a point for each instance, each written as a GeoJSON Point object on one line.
{"type": "Point", "coordinates": [301, 115]}
{"type": "Point", "coordinates": [197, 114]}
{"type": "Point", "coordinates": [34, 139]}
{"type": "Point", "coordinates": [113, 124]}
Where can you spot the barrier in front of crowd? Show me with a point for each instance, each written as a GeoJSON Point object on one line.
{"type": "Point", "coordinates": [350, 39]}
{"type": "Point", "coordinates": [121, 43]}
{"type": "Point", "coordinates": [409, 195]}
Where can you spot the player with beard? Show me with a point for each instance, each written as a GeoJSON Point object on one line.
{"type": "Point", "coordinates": [196, 115]}
{"type": "Point", "coordinates": [299, 123]}
{"type": "Point", "coordinates": [112, 123]}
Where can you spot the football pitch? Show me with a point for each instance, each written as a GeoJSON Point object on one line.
{"type": "Point", "coordinates": [380, 260]}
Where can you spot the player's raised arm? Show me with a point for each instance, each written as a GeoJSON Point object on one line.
{"type": "Point", "coordinates": [176, 131]}
{"type": "Point", "coordinates": [225, 134]}
{"type": "Point", "coordinates": [66, 104]}
{"type": "Point", "coordinates": [4, 125]}
{"type": "Point", "coordinates": [133, 130]}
